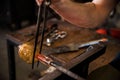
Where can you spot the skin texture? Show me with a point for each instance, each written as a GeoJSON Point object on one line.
{"type": "Point", "coordinates": [88, 15]}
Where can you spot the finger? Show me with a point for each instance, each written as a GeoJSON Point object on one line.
{"type": "Point", "coordinates": [39, 2]}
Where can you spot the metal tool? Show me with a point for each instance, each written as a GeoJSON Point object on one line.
{"type": "Point", "coordinates": [47, 3]}
{"type": "Point", "coordinates": [55, 36]}
{"type": "Point", "coordinates": [93, 42]}
{"type": "Point", "coordinates": [42, 11]}
{"type": "Point", "coordinates": [52, 29]}
{"type": "Point", "coordinates": [49, 61]}
{"type": "Point", "coordinates": [39, 20]}
{"type": "Point", "coordinates": [72, 47]}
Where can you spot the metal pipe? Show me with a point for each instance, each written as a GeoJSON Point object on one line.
{"type": "Point", "coordinates": [49, 61]}
{"type": "Point", "coordinates": [67, 72]}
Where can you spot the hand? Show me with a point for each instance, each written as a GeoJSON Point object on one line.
{"type": "Point", "coordinates": [53, 1]}
{"type": "Point", "coordinates": [39, 2]}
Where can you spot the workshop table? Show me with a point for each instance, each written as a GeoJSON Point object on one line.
{"type": "Point", "coordinates": [74, 34]}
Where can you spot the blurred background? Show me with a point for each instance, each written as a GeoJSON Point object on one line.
{"type": "Point", "coordinates": [18, 14]}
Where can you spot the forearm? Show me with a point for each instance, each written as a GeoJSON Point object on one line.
{"type": "Point", "coordinates": [79, 14]}
{"type": "Point", "coordinates": [89, 14]}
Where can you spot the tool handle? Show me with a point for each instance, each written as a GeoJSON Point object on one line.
{"type": "Point", "coordinates": [49, 61]}
{"type": "Point", "coordinates": [93, 42]}
{"type": "Point", "coordinates": [67, 72]}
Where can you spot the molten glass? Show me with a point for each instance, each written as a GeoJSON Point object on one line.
{"type": "Point", "coordinates": [25, 52]}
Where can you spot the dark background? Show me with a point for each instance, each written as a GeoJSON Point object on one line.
{"type": "Point", "coordinates": [16, 11]}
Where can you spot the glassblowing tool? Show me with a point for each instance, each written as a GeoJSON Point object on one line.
{"type": "Point", "coordinates": [47, 60]}
{"type": "Point", "coordinates": [42, 11]}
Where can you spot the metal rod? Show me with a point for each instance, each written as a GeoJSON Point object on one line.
{"type": "Point", "coordinates": [67, 72]}
{"type": "Point", "coordinates": [93, 42]}
{"type": "Point", "coordinates": [46, 4]}
{"type": "Point", "coordinates": [39, 20]}
{"type": "Point", "coordinates": [47, 60]}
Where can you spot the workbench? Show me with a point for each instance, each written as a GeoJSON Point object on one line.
{"type": "Point", "coordinates": [74, 34]}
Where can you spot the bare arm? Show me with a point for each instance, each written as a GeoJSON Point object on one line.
{"type": "Point", "coordinates": [90, 14]}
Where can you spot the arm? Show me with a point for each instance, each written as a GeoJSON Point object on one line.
{"type": "Point", "coordinates": [89, 14]}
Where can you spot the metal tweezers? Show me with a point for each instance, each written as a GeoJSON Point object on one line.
{"type": "Point", "coordinates": [42, 11]}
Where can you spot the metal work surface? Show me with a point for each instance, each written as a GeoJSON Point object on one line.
{"type": "Point", "coordinates": [74, 35]}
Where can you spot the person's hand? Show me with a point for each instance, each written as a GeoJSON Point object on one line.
{"type": "Point", "coordinates": [39, 2]}
{"type": "Point", "coordinates": [53, 1]}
